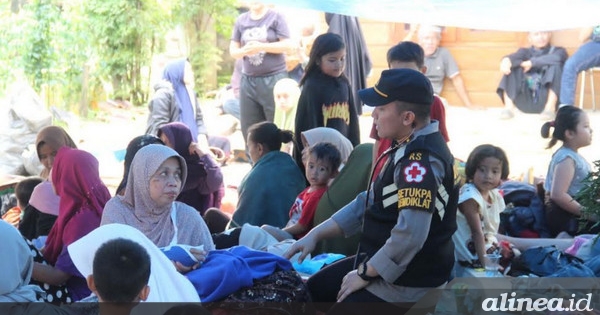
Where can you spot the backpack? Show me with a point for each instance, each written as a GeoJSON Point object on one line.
{"type": "Point", "coordinates": [524, 214]}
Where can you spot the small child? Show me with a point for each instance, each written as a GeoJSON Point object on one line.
{"type": "Point", "coordinates": [566, 171]}
{"type": "Point", "coordinates": [121, 270]}
{"type": "Point", "coordinates": [30, 216]}
{"type": "Point", "coordinates": [23, 191]}
{"type": "Point", "coordinates": [322, 165]}
{"type": "Point", "coordinates": [286, 93]}
{"type": "Point", "coordinates": [479, 206]}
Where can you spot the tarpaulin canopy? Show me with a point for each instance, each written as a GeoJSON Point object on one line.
{"type": "Point", "coordinates": [501, 15]}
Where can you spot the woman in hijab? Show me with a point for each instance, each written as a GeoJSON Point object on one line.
{"type": "Point", "coordinates": [48, 141]}
{"type": "Point", "coordinates": [175, 100]}
{"type": "Point", "coordinates": [134, 145]}
{"type": "Point", "coordinates": [204, 185]}
{"type": "Point", "coordinates": [41, 213]}
{"type": "Point", "coordinates": [155, 180]}
{"type": "Point", "coordinates": [16, 265]}
{"type": "Point", "coordinates": [76, 179]}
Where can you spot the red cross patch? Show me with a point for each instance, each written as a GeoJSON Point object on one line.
{"type": "Point", "coordinates": [414, 173]}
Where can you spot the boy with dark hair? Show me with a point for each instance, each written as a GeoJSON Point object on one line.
{"type": "Point", "coordinates": [322, 164]}
{"type": "Point", "coordinates": [407, 55]}
{"type": "Point", "coordinates": [23, 191]}
{"type": "Point", "coordinates": [121, 270]}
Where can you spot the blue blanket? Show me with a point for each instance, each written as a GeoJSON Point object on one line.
{"type": "Point", "coordinates": [226, 271]}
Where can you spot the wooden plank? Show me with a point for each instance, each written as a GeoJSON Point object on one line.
{"type": "Point", "coordinates": [486, 100]}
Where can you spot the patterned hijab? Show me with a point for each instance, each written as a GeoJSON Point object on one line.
{"type": "Point", "coordinates": [16, 265]}
{"type": "Point", "coordinates": [153, 220]}
{"type": "Point", "coordinates": [55, 137]}
{"type": "Point", "coordinates": [180, 137]}
{"type": "Point", "coordinates": [77, 182]}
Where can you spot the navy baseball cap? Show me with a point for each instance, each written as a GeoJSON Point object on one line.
{"type": "Point", "coordinates": [404, 85]}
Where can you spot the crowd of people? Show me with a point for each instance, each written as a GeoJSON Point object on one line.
{"type": "Point", "coordinates": [394, 208]}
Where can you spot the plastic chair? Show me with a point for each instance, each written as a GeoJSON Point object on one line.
{"type": "Point", "coordinates": [585, 73]}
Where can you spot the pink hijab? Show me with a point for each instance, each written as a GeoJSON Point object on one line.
{"type": "Point", "coordinates": [82, 195]}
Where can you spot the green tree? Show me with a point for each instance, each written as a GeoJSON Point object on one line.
{"type": "Point", "coordinates": [203, 21]}
{"type": "Point", "coordinates": [12, 43]}
{"type": "Point", "coordinates": [125, 34]}
{"type": "Point", "coordinates": [39, 56]}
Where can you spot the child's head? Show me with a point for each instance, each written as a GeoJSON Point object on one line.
{"type": "Point", "coordinates": [120, 273]}
{"type": "Point", "coordinates": [24, 189]}
{"type": "Point", "coordinates": [571, 126]}
{"type": "Point", "coordinates": [328, 55]}
{"type": "Point", "coordinates": [406, 55]}
{"type": "Point", "coordinates": [487, 166]}
{"type": "Point", "coordinates": [286, 93]}
{"type": "Point", "coordinates": [322, 163]}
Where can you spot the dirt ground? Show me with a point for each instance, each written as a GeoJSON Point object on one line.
{"type": "Point", "coordinates": [114, 127]}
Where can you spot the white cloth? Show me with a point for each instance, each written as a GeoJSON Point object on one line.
{"type": "Point", "coordinates": [166, 284]}
{"type": "Point", "coordinates": [256, 238]}
{"type": "Point", "coordinates": [490, 220]}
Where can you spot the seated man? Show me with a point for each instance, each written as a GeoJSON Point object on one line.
{"type": "Point", "coordinates": [587, 56]}
{"type": "Point", "coordinates": [440, 64]}
{"type": "Point", "coordinates": [531, 80]}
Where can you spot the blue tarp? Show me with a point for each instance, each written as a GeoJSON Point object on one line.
{"type": "Point", "coordinates": [501, 15]}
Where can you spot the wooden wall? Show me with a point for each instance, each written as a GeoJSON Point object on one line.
{"type": "Point", "coordinates": [477, 53]}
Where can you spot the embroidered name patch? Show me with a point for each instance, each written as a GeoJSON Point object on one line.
{"type": "Point", "coordinates": [414, 173]}
{"type": "Point", "coordinates": [414, 198]}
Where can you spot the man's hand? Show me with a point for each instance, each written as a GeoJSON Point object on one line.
{"type": "Point", "coordinates": [526, 65]}
{"type": "Point", "coordinates": [505, 66]}
{"type": "Point", "coordinates": [305, 245]}
{"type": "Point", "coordinates": [351, 283]}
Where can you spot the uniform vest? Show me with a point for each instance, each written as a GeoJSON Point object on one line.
{"type": "Point", "coordinates": [432, 265]}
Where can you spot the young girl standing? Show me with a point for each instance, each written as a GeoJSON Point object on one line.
{"type": "Point", "coordinates": [567, 170]}
{"type": "Point", "coordinates": [326, 99]}
{"type": "Point", "coordinates": [479, 206]}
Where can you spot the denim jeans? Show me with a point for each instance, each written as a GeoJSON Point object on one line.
{"type": "Point", "coordinates": [587, 56]}
{"type": "Point", "coordinates": [232, 107]}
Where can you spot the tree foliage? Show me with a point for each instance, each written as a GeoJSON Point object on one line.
{"type": "Point", "coordinates": [78, 46]}
{"type": "Point", "coordinates": [125, 34]}
{"type": "Point", "coordinates": [40, 54]}
{"type": "Point", "coordinates": [203, 21]}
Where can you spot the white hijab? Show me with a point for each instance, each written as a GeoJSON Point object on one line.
{"type": "Point", "coordinates": [325, 134]}
{"type": "Point", "coordinates": [166, 284]}
{"type": "Point", "coordinates": [16, 266]}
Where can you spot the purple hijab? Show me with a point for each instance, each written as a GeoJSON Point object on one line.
{"type": "Point", "coordinates": [174, 72]}
{"type": "Point", "coordinates": [204, 174]}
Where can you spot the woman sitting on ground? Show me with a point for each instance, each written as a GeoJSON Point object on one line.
{"type": "Point", "coordinates": [270, 188]}
{"type": "Point", "coordinates": [76, 179]}
{"type": "Point", "coordinates": [132, 148]}
{"type": "Point", "coordinates": [155, 180]}
{"type": "Point", "coordinates": [204, 185]}
{"type": "Point", "coordinates": [41, 213]}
